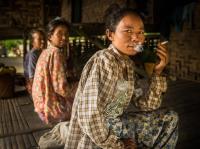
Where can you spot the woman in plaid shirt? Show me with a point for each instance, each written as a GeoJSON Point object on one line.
{"type": "Point", "coordinates": [109, 89]}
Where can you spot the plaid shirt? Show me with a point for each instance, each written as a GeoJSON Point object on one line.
{"type": "Point", "coordinates": [97, 90]}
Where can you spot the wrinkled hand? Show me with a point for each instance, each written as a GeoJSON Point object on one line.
{"type": "Point", "coordinates": [163, 55]}
{"type": "Point", "coordinates": [129, 144]}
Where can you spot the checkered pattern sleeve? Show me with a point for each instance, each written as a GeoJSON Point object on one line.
{"type": "Point", "coordinates": [152, 98]}
{"type": "Point", "coordinates": [96, 91]}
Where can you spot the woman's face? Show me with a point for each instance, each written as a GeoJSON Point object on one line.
{"type": "Point", "coordinates": [129, 32]}
{"type": "Point", "coordinates": [38, 40]}
{"type": "Point", "coordinates": [60, 37]}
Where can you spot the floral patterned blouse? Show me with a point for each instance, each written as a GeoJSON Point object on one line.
{"type": "Point", "coordinates": [51, 92]}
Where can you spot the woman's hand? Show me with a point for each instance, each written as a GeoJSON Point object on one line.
{"type": "Point", "coordinates": [163, 55]}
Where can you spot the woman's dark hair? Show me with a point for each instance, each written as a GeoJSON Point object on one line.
{"type": "Point", "coordinates": [115, 13]}
{"type": "Point", "coordinates": [53, 24]}
{"type": "Point", "coordinates": [33, 31]}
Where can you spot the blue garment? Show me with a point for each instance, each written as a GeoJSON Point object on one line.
{"type": "Point", "coordinates": [30, 63]}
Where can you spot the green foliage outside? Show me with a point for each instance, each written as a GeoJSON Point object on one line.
{"type": "Point", "coordinates": [11, 48]}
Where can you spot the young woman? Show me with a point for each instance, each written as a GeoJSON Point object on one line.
{"type": "Point", "coordinates": [51, 93]}
{"type": "Point", "coordinates": [107, 87]}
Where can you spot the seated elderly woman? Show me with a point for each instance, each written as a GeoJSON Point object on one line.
{"type": "Point", "coordinates": [37, 38]}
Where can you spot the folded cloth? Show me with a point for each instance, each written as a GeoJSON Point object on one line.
{"type": "Point", "coordinates": [55, 138]}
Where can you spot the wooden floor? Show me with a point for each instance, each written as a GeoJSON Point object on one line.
{"type": "Point", "coordinates": [20, 127]}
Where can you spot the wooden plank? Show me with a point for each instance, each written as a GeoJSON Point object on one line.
{"type": "Point", "coordinates": [10, 129]}
{"type": "Point", "coordinates": [4, 119]}
{"type": "Point", "coordinates": [26, 141]}
{"type": "Point", "coordinates": [22, 119]}
{"type": "Point", "coordinates": [2, 145]}
{"type": "Point", "coordinates": [20, 142]}
{"type": "Point", "coordinates": [16, 111]}
{"type": "Point", "coordinates": [32, 140]}
{"type": "Point", "coordinates": [1, 118]}
{"type": "Point", "coordinates": [8, 143]}
{"type": "Point", "coordinates": [24, 100]}
{"type": "Point", "coordinates": [13, 118]}
{"type": "Point", "coordinates": [14, 142]}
